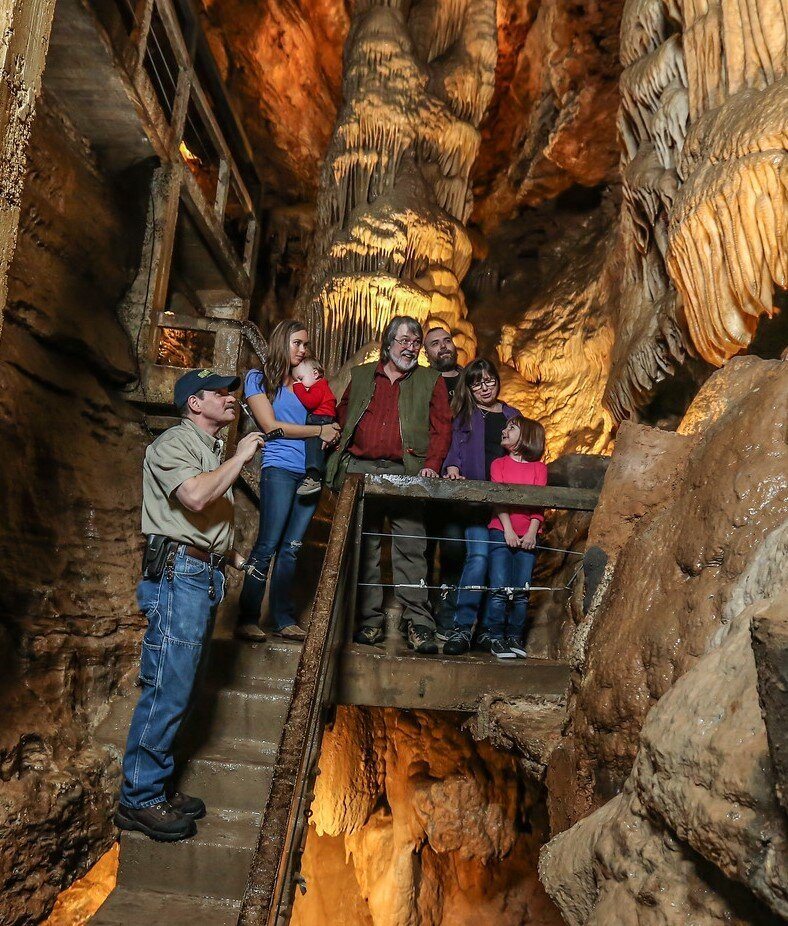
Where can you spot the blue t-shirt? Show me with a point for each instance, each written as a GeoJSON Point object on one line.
{"type": "Point", "coordinates": [284, 453]}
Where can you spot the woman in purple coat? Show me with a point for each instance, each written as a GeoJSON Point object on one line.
{"type": "Point", "coordinates": [479, 419]}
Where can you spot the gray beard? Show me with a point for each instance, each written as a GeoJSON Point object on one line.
{"type": "Point", "coordinates": [404, 366]}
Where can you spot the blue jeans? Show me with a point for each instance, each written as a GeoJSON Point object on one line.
{"type": "Point", "coordinates": [474, 572]}
{"type": "Point", "coordinates": [284, 518]}
{"type": "Point", "coordinates": [440, 523]}
{"type": "Point", "coordinates": [180, 617]}
{"type": "Point", "coordinates": [508, 569]}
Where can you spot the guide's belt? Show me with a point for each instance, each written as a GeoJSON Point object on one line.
{"type": "Point", "coordinates": [160, 552]}
{"type": "Point", "coordinates": [216, 560]}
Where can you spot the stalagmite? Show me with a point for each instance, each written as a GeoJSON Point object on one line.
{"type": "Point", "coordinates": [394, 192]}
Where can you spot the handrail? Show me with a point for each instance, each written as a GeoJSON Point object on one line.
{"type": "Point", "coordinates": [473, 492]}
{"type": "Point", "coordinates": [269, 887]}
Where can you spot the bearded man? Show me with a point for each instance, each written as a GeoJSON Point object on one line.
{"type": "Point", "coordinates": [441, 354]}
{"type": "Point", "coordinates": [446, 546]}
{"type": "Point", "coordinates": [395, 420]}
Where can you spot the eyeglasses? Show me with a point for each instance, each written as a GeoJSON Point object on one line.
{"type": "Point", "coordinates": [484, 384]}
{"type": "Point", "coordinates": [408, 342]}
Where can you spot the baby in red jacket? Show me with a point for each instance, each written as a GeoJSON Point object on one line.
{"type": "Point", "coordinates": [313, 392]}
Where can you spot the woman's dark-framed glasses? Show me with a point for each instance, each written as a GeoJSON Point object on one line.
{"type": "Point", "coordinates": [484, 384]}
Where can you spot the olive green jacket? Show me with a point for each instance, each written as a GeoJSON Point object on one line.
{"type": "Point", "coordinates": [415, 393]}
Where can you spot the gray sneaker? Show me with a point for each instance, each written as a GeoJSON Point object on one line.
{"type": "Point", "coordinates": [309, 486]}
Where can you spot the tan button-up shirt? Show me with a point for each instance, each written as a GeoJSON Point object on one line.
{"type": "Point", "coordinates": [176, 455]}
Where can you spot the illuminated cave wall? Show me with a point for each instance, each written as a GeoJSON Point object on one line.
{"type": "Point", "coordinates": [704, 168]}
{"type": "Point", "coordinates": [414, 822]}
{"type": "Point", "coordinates": [394, 192]}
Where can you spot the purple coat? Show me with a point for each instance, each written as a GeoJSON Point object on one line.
{"type": "Point", "coordinates": [467, 444]}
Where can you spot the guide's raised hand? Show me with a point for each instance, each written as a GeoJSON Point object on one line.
{"type": "Point", "coordinates": [248, 445]}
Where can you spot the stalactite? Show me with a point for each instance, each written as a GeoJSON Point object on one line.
{"type": "Point", "coordinates": [704, 138]}
{"type": "Point", "coordinates": [395, 190]}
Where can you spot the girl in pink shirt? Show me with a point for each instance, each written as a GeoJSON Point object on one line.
{"type": "Point", "coordinates": [514, 533]}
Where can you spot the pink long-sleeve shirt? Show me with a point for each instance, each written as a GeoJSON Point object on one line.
{"type": "Point", "coordinates": [508, 470]}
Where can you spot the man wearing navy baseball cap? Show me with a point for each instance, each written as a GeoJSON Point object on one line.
{"type": "Point", "coordinates": [187, 517]}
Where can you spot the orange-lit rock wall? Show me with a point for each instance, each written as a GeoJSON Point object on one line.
{"type": "Point", "coordinates": [551, 122]}
{"type": "Point", "coordinates": [414, 822]}
{"type": "Point", "coordinates": [665, 745]}
{"type": "Point", "coordinates": [70, 456]}
{"type": "Point", "coordinates": [394, 192]}
{"type": "Point", "coordinates": [550, 319]}
{"type": "Point", "coordinates": [282, 61]}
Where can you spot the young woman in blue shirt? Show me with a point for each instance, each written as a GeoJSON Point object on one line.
{"type": "Point", "coordinates": [284, 516]}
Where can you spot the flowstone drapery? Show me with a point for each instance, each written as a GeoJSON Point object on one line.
{"type": "Point", "coordinates": [704, 132]}
{"type": "Point", "coordinates": [394, 191]}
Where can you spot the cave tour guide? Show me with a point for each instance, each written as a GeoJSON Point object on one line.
{"type": "Point", "coordinates": [187, 517]}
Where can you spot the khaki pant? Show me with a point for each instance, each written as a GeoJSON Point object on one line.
{"type": "Point", "coordinates": [408, 556]}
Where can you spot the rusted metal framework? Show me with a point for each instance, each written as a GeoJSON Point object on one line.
{"type": "Point", "coordinates": [274, 873]}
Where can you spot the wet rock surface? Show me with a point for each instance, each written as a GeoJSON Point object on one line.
{"type": "Point", "coordinates": [770, 645]}
{"type": "Point", "coordinates": [665, 768]}
{"type": "Point", "coordinates": [675, 581]}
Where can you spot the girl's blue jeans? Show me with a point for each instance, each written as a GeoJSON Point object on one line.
{"type": "Point", "coordinates": [180, 617]}
{"type": "Point", "coordinates": [508, 569]}
{"type": "Point", "coordinates": [284, 518]}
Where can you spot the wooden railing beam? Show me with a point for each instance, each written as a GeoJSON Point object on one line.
{"type": "Point", "coordinates": [469, 492]}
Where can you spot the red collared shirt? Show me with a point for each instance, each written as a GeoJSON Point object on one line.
{"type": "Point", "coordinates": [378, 436]}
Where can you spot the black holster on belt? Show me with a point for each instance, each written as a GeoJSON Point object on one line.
{"type": "Point", "coordinates": [154, 558]}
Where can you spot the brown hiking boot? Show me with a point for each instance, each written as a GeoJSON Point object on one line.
{"type": "Point", "coordinates": [160, 822]}
{"type": "Point", "coordinates": [192, 807]}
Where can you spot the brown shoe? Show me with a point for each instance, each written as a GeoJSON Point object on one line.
{"type": "Point", "coordinates": [250, 632]}
{"type": "Point", "coordinates": [193, 807]}
{"type": "Point", "coordinates": [291, 632]}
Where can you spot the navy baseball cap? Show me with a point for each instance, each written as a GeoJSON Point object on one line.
{"type": "Point", "coordinates": [195, 380]}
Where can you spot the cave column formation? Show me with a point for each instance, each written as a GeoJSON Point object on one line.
{"type": "Point", "coordinates": [24, 38]}
{"type": "Point", "coordinates": [394, 191]}
{"type": "Point", "coordinates": [702, 122]}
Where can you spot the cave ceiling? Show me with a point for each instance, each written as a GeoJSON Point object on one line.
{"type": "Point", "coordinates": [551, 122]}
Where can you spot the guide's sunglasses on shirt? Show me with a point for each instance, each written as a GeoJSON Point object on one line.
{"type": "Point", "coordinates": [408, 342]}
